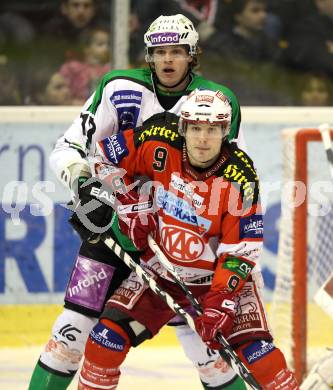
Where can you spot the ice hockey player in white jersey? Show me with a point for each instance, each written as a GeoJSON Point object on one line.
{"type": "Point", "coordinates": [124, 99]}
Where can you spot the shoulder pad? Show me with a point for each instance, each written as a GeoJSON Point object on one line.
{"type": "Point", "coordinates": [138, 75]}
{"type": "Point", "coordinates": [241, 172]}
{"type": "Point", "coordinates": [162, 118]}
{"type": "Point", "coordinates": [159, 127]}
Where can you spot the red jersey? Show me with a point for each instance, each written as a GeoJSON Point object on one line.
{"type": "Point", "coordinates": [204, 215]}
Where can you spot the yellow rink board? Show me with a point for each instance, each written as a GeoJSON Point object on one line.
{"type": "Point", "coordinates": [319, 326]}
{"type": "Point", "coordinates": [28, 325]}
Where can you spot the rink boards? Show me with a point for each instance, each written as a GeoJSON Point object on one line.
{"type": "Point", "coordinates": [27, 325]}
{"type": "Point", "coordinates": [33, 251]}
{"type": "Point", "coordinates": [36, 259]}
{"type": "Point", "coordinates": [38, 242]}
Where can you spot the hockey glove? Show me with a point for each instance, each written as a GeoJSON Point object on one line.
{"type": "Point", "coordinates": [92, 209]}
{"type": "Point", "coordinates": [137, 218]}
{"type": "Point", "coordinates": [217, 317]}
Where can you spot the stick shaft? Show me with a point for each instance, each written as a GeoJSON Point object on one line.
{"type": "Point", "coordinates": [147, 278]}
{"type": "Point", "coordinates": [170, 267]}
{"type": "Point", "coordinates": [226, 352]}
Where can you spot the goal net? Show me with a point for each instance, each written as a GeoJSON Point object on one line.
{"type": "Point", "coordinates": [305, 258]}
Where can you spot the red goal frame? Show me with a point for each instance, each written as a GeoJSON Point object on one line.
{"type": "Point", "coordinates": [302, 138]}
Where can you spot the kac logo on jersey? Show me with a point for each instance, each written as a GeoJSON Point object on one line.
{"type": "Point", "coordinates": [114, 148]}
{"type": "Point", "coordinates": [181, 244]}
{"type": "Point", "coordinates": [251, 227]}
{"type": "Point", "coordinates": [128, 104]}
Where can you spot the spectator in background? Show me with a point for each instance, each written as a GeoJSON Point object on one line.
{"type": "Point", "coordinates": [61, 35]}
{"type": "Point", "coordinates": [205, 14]}
{"type": "Point", "coordinates": [246, 39]}
{"type": "Point", "coordinates": [48, 87]}
{"type": "Point", "coordinates": [245, 58]}
{"type": "Point", "coordinates": [17, 35]}
{"type": "Point", "coordinates": [10, 90]}
{"type": "Point", "coordinates": [311, 40]}
{"type": "Point", "coordinates": [83, 76]}
{"type": "Point", "coordinates": [15, 28]}
{"type": "Point", "coordinates": [314, 90]}
{"type": "Point", "coordinates": [75, 15]}
{"type": "Point", "coordinates": [289, 11]}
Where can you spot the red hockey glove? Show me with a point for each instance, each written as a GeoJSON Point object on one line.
{"type": "Point", "coordinates": [137, 218]}
{"type": "Point", "coordinates": [217, 317]}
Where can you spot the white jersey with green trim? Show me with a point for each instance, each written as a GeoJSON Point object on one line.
{"type": "Point", "coordinates": [124, 99]}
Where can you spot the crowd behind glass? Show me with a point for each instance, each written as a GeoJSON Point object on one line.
{"type": "Point", "coordinates": [269, 52]}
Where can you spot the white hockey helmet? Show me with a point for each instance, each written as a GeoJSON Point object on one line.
{"type": "Point", "coordinates": [206, 106]}
{"type": "Point", "coordinates": [171, 30]}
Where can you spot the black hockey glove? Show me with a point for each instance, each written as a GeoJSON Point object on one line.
{"type": "Point", "coordinates": [93, 209]}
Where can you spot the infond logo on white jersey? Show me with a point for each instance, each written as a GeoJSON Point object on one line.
{"type": "Point", "coordinates": [87, 282]}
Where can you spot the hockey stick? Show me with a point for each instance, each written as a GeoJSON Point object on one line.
{"type": "Point", "coordinates": [326, 137]}
{"type": "Point", "coordinates": [147, 278]}
{"type": "Point", "coordinates": [170, 267]}
{"type": "Point", "coordinates": [226, 351]}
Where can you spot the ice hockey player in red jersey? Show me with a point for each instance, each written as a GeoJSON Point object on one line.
{"type": "Point", "coordinates": [124, 99]}
{"type": "Point", "coordinates": [206, 218]}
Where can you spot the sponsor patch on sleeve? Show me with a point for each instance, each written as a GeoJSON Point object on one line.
{"type": "Point", "coordinates": [107, 337]}
{"type": "Point", "coordinates": [114, 148]}
{"type": "Point", "coordinates": [241, 267]}
{"type": "Point", "coordinates": [128, 104]}
{"type": "Point", "coordinates": [251, 227]}
{"type": "Point", "coordinates": [257, 350]}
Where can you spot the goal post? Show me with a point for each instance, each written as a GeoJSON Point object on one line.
{"type": "Point", "coordinates": [298, 276]}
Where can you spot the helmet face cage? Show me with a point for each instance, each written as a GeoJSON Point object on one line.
{"type": "Point", "coordinates": [169, 31]}
{"type": "Point", "coordinates": [206, 106]}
